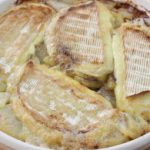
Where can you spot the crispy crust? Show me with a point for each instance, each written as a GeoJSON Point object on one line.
{"type": "Point", "coordinates": [20, 29]}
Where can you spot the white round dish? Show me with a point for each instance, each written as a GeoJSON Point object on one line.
{"type": "Point", "coordinates": [140, 143]}
{"type": "Point", "coordinates": [5, 4]}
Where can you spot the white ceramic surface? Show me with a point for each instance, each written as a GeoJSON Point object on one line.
{"type": "Point", "coordinates": [140, 143]}
{"type": "Point", "coordinates": [5, 4]}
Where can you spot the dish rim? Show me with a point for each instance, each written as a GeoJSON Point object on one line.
{"type": "Point", "coordinates": [14, 143]}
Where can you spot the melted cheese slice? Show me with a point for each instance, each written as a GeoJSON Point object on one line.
{"type": "Point", "coordinates": [62, 112]}
{"type": "Point", "coordinates": [131, 49]}
{"type": "Point", "coordinates": [20, 28]}
{"type": "Point", "coordinates": [79, 38]}
{"type": "Point", "coordinates": [47, 93]}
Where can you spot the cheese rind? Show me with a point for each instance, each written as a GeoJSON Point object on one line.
{"type": "Point", "coordinates": [79, 40]}
{"type": "Point", "coordinates": [131, 50]}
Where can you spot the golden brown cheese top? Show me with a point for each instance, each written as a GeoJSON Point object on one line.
{"type": "Point", "coordinates": [78, 34]}
{"type": "Point", "coordinates": [60, 102]}
{"type": "Point", "coordinates": [137, 60]}
{"type": "Point", "coordinates": [18, 30]}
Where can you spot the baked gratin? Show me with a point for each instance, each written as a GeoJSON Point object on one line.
{"type": "Point", "coordinates": [75, 74]}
